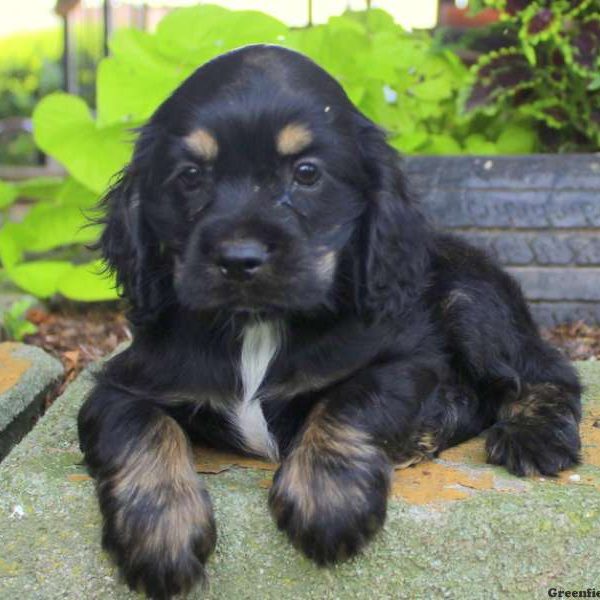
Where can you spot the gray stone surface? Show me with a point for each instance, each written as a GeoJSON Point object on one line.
{"type": "Point", "coordinates": [565, 312]}
{"type": "Point", "coordinates": [559, 283]}
{"type": "Point", "coordinates": [538, 212]}
{"type": "Point", "coordinates": [540, 248]}
{"type": "Point", "coordinates": [457, 528]}
{"type": "Point", "coordinates": [27, 374]}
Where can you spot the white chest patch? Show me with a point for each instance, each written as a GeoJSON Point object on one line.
{"type": "Point", "coordinates": [260, 343]}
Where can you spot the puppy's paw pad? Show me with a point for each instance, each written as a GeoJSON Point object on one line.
{"type": "Point", "coordinates": [530, 446]}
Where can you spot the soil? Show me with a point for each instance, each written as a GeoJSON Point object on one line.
{"type": "Point", "coordinates": [81, 334]}
{"type": "Point", "coordinates": [77, 335]}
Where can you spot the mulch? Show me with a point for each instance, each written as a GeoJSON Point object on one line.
{"type": "Point", "coordinates": [80, 334]}
{"type": "Point", "coordinates": [77, 335]}
{"type": "Point", "coordinates": [577, 340]}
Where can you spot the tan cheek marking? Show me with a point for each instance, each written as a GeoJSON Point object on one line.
{"type": "Point", "coordinates": [293, 138]}
{"type": "Point", "coordinates": [202, 143]}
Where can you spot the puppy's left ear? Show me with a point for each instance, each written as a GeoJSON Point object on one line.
{"type": "Point", "coordinates": [131, 251]}
{"type": "Point", "coordinates": [396, 238]}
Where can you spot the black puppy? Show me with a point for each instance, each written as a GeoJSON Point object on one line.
{"type": "Point", "coordinates": [290, 301]}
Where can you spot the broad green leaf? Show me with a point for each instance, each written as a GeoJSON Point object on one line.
{"type": "Point", "coordinates": [410, 142]}
{"type": "Point", "coordinates": [40, 188]}
{"type": "Point", "coordinates": [135, 79]}
{"type": "Point", "coordinates": [87, 283]}
{"type": "Point", "coordinates": [196, 34]}
{"type": "Point", "coordinates": [14, 318]}
{"type": "Point", "coordinates": [443, 144]}
{"type": "Point", "coordinates": [51, 226]}
{"type": "Point", "coordinates": [478, 144]}
{"type": "Point", "coordinates": [516, 139]}
{"type": "Point", "coordinates": [128, 94]}
{"type": "Point", "coordinates": [73, 192]}
{"type": "Point", "coordinates": [64, 128]}
{"type": "Point", "coordinates": [8, 194]}
{"type": "Point", "coordinates": [11, 242]}
{"type": "Point", "coordinates": [41, 277]}
{"type": "Point", "coordinates": [375, 20]}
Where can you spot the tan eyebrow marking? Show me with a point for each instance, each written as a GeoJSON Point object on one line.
{"type": "Point", "coordinates": [293, 138]}
{"type": "Point", "coordinates": [203, 143]}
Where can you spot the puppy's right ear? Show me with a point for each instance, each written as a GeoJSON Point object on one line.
{"type": "Point", "coordinates": [130, 249]}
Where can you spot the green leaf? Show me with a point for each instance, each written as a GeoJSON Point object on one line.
{"type": "Point", "coordinates": [433, 89]}
{"type": "Point", "coordinates": [516, 139]}
{"type": "Point", "coordinates": [594, 85]}
{"type": "Point", "coordinates": [40, 188]}
{"type": "Point", "coordinates": [410, 142]}
{"type": "Point", "coordinates": [8, 194]}
{"type": "Point", "coordinates": [13, 237]}
{"type": "Point", "coordinates": [196, 34]}
{"type": "Point", "coordinates": [41, 277]}
{"type": "Point", "coordinates": [478, 144]}
{"type": "Point", "coordinates": [51, 226]}
{"type": "Point", "coordinates": [14, 319]}
{"type": "Point", "coordinates": [73, 192]}
{"type": "Point", "coordinates": [135, 79]}
{"type": "Point", "coordinates": [87, 283]}
{"type": "Point", "coordinates": [64, 128]}
{"type": "Point", "coordinates": [443, 144]}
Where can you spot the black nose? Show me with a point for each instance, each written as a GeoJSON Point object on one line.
{"type": "Point", "coordinates": [241, 259]}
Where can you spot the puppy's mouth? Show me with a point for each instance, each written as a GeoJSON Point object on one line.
{"type": "Point", "coordinates": [212, 290]}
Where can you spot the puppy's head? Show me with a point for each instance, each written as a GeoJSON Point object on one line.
{"type": "Point", "coordinates": [257, 186]}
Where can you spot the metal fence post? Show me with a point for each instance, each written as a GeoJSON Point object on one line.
{"type": "Point", "coordinates": [107, 22]}
{"type": "Point", "coordinates": [69, 58]}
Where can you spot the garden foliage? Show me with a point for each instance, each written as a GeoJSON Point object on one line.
{"type": "Point", "coordinates": [549, 79]}
{"type": "Point", "coordinates": [29, 70]}
{"type": "Point", "coordinates": [404, 81]}
{"type": "Point", "coordinates": [401, 80]}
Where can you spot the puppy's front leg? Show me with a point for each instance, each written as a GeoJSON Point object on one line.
{"type": "Point", "coordinates": [158, 519]}
{"type": "Point", "coordinates": [330, 493]}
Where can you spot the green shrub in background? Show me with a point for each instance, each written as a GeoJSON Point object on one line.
{"type": "Point", "coordinates": [44, 253]}
{"type": "Point", "coordinates": [373, 58]}
{"type": "Point", "coordinates": [406, 82]}
{"type": "Point", "coordinates": [29, 70]}
{"type": "Point", "coordinates": [549, 81]}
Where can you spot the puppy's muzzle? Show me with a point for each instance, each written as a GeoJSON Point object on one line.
{"type": "Point", "coordinates": [241, 260]}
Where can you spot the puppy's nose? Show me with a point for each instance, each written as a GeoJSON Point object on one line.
{"type": "Point", "coordinates": [241, 259]}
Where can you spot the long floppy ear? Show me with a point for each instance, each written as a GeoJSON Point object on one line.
{"type": "Point", "coordinates": [131, 250]}
{"type": "Point", "coordinates": [396, 238]}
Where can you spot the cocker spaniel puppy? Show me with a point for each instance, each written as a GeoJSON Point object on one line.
{"type": "Point", "coordinates": [290, 301]}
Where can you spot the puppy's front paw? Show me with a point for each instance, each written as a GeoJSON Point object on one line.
{"type": "Point", "coordinates": [534, 445]}
{"type": "Point", "coordinates": [330, 506]}
{"type": "Point", "coordinates": [160, 538]}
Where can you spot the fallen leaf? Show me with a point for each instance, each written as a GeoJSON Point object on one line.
{"type": "Point", "coordinates": [213, 461]}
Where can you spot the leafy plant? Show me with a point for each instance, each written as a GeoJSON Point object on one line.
{"type": "Point", "coordinates": [407, 82]}
{"type": "Point", "coordinates": [44, 253]}
{"type": "Point", "coordinates": [29, 70]}
{"type": "Point", "coordinates": [549, 81]}
{"type": "Point", "coordinates": [370, 55]}
{"type": "Point", "coordinates": [14, 319]}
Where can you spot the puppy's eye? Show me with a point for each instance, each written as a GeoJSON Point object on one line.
{"type": "Point", "coordinates": [191, 177]}
{"type": "Point", "coordinates": [306, 173]}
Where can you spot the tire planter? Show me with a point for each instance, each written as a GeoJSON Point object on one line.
{"type": "Point", "coordinates": [538, 215]}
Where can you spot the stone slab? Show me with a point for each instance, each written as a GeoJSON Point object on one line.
{"type": "Point", "coordinates": [457, 528]}
{"type": "Point", "coordinates": [538, 212]}
{"type": "Point", "coordinates": [27, 375]}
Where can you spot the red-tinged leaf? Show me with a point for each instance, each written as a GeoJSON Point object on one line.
{"type": "Point", "coordinates": [540, 21]}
